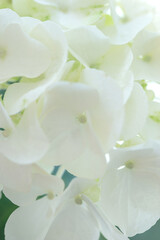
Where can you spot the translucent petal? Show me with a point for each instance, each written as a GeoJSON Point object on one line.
{"type": "Point", "coordinates": [7, 16]}
{"type": "Point", "coordinates": [107, 118]}
{"type": "Point", "coordinates": [14, 176]}
{"type": "Point", "coordinates": [72, 140]}
{"type": "Point", "coordinates": [133, 20]}
{"type": "Point", "coordinates": [136, 111]}
{"type": "Point", "coordinates": [41, 185]}
{"type": "Point", "coordinates": [27, 142]}
{"type": "Point", "coordinates": [22, 55]}
{"type": "Point", "coordinates": [33, 221]}
{"type": "Point", "coordinates": [108, 230]}
{"type": "Point", "coordinates": [146, 56]}
{"type": "Point", "coordinates": [78, 223]}
{"type": "Point", "coordinates": [130, 193]}
{"type": "Point", "coordinates": [23, 94]}
{"type": "Point", "coordinates": [91, 47]}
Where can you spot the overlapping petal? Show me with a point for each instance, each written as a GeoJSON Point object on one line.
{"type": "Point", "coordinates": [25, 92]}
{"type": "Point", "coordinates": [130, 188]}
{"type": "Point", "coordinates": [26, 142]}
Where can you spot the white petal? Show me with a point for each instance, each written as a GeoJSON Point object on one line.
{"type": "Point", "coordinates": [47, 2]}
{"type": "Point", "coordinates": [151, 128]}
{"type": "Point", "coordinates": [91, 47]}
{"type": "Point", "coordinates": [126, 83]}
{"type": "Point", "coordinates": [127, 32]}
{"type": "Point", "coordinates": [117, 61]}
{"type": "Point", "coordinates": [52, 36]}
{"type": "Point", "coordinates": [14, 176]}
{"type": "Point", "coordinates": [78, 224]}
{"type": "Point", "coordinates": [90, 161]}
{"type": "Point", "coordinates": [23, 94]}
{"type": "Point", "coordinates": [136, 17]}
{"type": "Point", "coordinates": [74, 4]}
{"type": "Point", "coordinates": [146, 56]}
{"type": "Point", "coordinates": [136, 111]}
{"type": "Point", "coordinates": [23, 55]}
{"type": "Point", "coordinates": [29, 222]}
{"type": "Point", "coordinates": [72, 143]}
{"type": "Point", "coordinates": [41, 185]}
{"type": "Point", "coordinates": [78, 186]}
{"type": "Point", "coordinates": [130, 194]}
{"type": "Point", "coordinates": [27, 143]}
{"type": "Point", "coordinates": [5, 120]}
{"type": "Point", "coordinates": [107, 118]}
{"type": "Point", "coordinates": [108, 230]}
{"type": "Point", "coordinates": [7, 16]}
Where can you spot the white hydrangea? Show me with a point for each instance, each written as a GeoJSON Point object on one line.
{"type": "Point", "coordinates": [79, 89]}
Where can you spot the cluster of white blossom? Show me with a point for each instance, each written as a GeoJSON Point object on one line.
{"type": "Point", "coordinates": [79, 83]}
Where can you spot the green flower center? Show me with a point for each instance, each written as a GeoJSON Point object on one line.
{"type": "Point", "coordinates": [146, 58]}
{"type": "Point", "coordinates": [82, 118]}
{"type": "Point", "coordinates": [50, 195]}
{"type": "Point", "coordinates": [129, 164]}
{"type": "Point", "coordinates": [78, 200]}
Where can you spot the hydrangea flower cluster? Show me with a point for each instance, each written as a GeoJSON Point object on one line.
{"type": "Point", "coordinates": [79, 83]}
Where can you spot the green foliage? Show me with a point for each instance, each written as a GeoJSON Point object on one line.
{"type": "Point", "coordinates": [6, 208]}
{"type": "Point", "coordinates": [102, 237]}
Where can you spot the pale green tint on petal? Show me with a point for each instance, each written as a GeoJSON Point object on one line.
{"type": "Point", "coordinates": [72, 14]}
{"type": "Point", "coordinates": [5, 4]}
{"type": "Point", "coordinates": [47, 2]}
{"type": "Point", "coordinates": [74, 4]}
{"type": "Point", "coordinates": [117, 61]}
{"type": "Point", "coordinates": [72, 71]}
{"type": "Point", "coordinates": [26, 143]}
{"type": "Point", "coordinates": [130, 197]}
{"type": "Point", "coordinates": [33, 221]}
{"type": "Point", "coordinates": [74, 19]}
{"type": "Point", "coordinates": [151, 129]}
{"type": "Point", "coordinates": [79, 186]}
{"type": "Point", "coordinates": [41, 185]}
{"type": "Point", "coordinates": [136, 15]}
{"type": "Point", "coordinates": [136, 111]}
{"type": "Point", "coordinates": [31, 8]}
{"type": "Point", "coordinates": [93, 193]}
{"type": "Point", "coordinates": [14, 176]}
{"type": "Point", "coordinates": [94, 51]}
{"type": "Point", "coordinates": [78, 223]}
{"type": "Point", "coordinates": [124, 33]}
